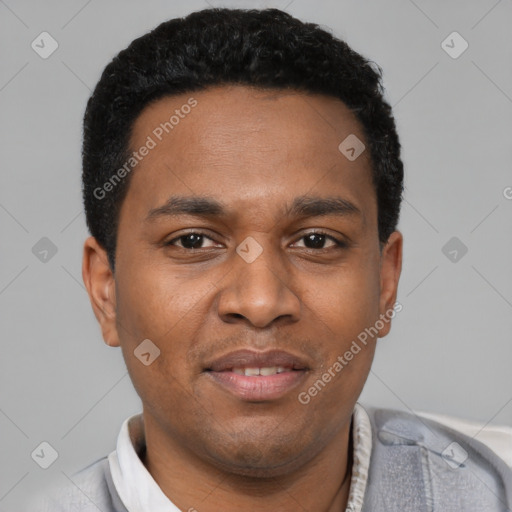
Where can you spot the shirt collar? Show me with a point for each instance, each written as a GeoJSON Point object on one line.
{"type": "Point", "coordinates": [140, 493]}
{"type": "Point", "coordinates": [136, 487]}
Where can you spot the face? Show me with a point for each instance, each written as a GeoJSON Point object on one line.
{"type": "Point", "coordinates": [247, 243]}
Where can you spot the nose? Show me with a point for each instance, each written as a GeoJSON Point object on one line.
{"type": "Point", "coordinates": [258, 293]}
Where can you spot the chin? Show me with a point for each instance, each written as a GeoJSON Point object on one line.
{"type": "Point", "coordinates": [264, 460]}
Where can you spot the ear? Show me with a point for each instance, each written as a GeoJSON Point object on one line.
{"type": "Point", "coordinates": [390, 269]}
{"type": "Point", "coordinates": [100, 283]}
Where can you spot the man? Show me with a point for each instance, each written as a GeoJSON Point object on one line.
{"type": "Point", "coordinates": [242, 184]}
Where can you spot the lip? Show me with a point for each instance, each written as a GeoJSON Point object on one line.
{"type": "Point", "coordinates": [258, 388]}
{"type": "Point", "coordinates": [253, 359]}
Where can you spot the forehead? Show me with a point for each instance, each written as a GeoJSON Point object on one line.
{"type": "Point", "coordinates": [254, 150]}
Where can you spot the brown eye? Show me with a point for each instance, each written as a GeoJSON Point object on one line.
{"type": "Point", "coordinates": [317, 240]}
{"type": "Point", "coordinates": [193, 240]}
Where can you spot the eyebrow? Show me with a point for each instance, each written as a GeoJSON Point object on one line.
{"type": "Point", "coordinates": [303, 206]}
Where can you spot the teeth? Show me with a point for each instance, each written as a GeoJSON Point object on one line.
{"type": "Point", "coordinates": [252, 372]}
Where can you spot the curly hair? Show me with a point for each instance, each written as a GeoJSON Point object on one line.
{"type": "Point", "coordinates": [262, 48]}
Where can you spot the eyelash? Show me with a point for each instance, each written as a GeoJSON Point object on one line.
{"type": "Point", "coordinates": [340, 244]}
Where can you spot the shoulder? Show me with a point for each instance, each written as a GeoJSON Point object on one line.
{"type": "Point", "coordinates": [497, 437]}
{"type": "Point", "coordinates": [493, 441]}
{"type": "Point", "coordinates": [87, 490]}
{"type": "Point", "coordinates": [429, 459]}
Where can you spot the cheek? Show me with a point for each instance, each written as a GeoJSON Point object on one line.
{"type": "Point", "coordinates": [346, 302]}
{"type": "Point", "coordinates": [345, 307]}
{"type": "Point", "coordinates": [347, 312]}
{"type": "Point", "coordinates": [155, 303]}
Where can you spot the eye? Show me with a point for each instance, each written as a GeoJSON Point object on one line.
{"type": "Point", "coordinates": [317, 239]}
{"type": "Point", "coordinates": [192, 240]}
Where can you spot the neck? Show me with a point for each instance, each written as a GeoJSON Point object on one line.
{"type": "Point", "coordinates": [322, 484]}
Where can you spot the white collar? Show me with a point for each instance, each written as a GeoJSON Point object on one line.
{"type": "Point", "coordinates": [133, 482]}
{"type": "Point", "coordinates": [140, 493]}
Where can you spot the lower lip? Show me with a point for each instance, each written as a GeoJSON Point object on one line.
{"type": "Point", "coordinates": [259, 388]}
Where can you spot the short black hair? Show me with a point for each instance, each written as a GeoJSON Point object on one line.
{"type": "Point", "coordinates": [261, 48]}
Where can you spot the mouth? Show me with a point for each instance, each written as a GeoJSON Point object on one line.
{"type": "Point", "coordinates": [258, 376]}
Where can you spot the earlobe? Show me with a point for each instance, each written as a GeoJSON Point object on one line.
{"type": "Point", "coordinates": [391, 267]}
{"type": "Point", "coordinates": [99, 281]}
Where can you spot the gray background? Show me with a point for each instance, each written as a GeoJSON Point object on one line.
{"type": "Point", "coordinates": [450, 348]}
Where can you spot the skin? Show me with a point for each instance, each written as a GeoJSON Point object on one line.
{"type": "Point", "coordinates": [255, 151]}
